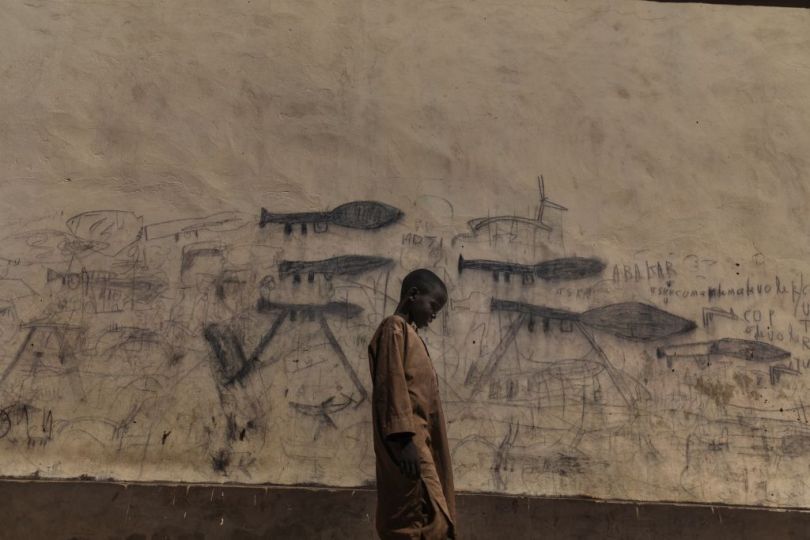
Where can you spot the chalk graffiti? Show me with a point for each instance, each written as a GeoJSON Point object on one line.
{"type": "Point", "coordinates": [212, 341]}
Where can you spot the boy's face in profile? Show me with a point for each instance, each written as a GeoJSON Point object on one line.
{"type": "Point", "coordinates": [426, 305]}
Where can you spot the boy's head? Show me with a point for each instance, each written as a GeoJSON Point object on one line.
{"type": "Point", "coordinates": [422, 296]}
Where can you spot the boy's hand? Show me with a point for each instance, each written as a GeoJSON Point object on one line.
{"type": "Point", "coordinates": [407, 456]}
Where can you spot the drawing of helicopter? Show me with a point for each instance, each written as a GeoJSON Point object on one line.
{"type": "Point", "coordinates": [536, 222]}
{"type": "Point", "coordinates": [480, 223]}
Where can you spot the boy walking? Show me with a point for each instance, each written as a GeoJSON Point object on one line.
{"type": "Point", "coordinates": [415, 497]}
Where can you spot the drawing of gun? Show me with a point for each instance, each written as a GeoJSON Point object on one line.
{"type": "Point", "coordinates": [345, 265]}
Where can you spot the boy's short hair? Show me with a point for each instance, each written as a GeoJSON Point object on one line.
{"type": "Point", "coordinates": [424, 280]}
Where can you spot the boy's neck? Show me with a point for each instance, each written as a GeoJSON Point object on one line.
{"type": "Point", "coordinates": [401, 311]}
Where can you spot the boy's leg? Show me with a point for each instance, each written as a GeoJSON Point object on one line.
{"type": "Point", "coordinates": [437, 527]}
{"type": "Point", "coordinates": [437, 530]}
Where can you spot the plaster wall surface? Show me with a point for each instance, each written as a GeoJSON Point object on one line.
{"type": "Point", "coordinates": [208, 207]}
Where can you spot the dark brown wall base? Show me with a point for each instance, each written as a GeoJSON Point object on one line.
{"type": "Point", "coordinates": [85, 510]}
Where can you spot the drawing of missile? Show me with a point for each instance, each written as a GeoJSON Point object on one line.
{"type": "Point", "coordinates": [628, 320]}
{"type": "Point", "coordinates": [365, 215]}
{"type": "Point", "coordinates": [744, 349]}
{"type": "Point", "coordinates": [344, 265]}
{"type": "Point", "coordinates": [310, 311]}
{"type": "Point", "coordinates": [567, 268]}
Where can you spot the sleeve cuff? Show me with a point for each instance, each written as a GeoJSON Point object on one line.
{"type": "Point", "coordinates": [398, 424]}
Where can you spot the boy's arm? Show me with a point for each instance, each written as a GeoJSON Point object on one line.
{"type": "Point", "coordinates": [391, 400]}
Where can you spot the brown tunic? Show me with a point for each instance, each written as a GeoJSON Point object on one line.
{"type": "Point", "coordinates": [405, 399]}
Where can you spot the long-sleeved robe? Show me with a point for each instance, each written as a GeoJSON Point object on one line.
{"type": "Point", "coordinates": [405, 399]}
